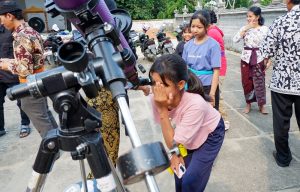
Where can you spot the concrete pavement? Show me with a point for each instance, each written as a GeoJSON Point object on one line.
{"type": "Point", "coordinates": [245, 162]}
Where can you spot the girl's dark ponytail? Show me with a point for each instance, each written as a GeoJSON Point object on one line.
{"type": "Point", "coordinates": [194, 85]}
{"type": "Point", "coordinates": [261, 21]}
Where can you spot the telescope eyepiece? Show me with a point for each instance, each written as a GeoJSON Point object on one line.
{"type": "Point", "coordinates": [73, 56]}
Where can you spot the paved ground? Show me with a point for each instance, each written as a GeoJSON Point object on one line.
{"type": "Point", "coordinates": [245, 162]}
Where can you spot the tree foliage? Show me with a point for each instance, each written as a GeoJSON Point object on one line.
{"type": "Point", "coordinates": [153, 9]}
{"type": "Point", "coordinates": [162, 9]}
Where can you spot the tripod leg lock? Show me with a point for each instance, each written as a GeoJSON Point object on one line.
{"type": "Point", "coordinates": [81, 151]}
{"type": "Point", "coordinates": [47, 154]}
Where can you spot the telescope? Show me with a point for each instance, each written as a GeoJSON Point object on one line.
{"type": "Point", "coordinates": [111, 65]}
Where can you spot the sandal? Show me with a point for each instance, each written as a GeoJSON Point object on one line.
{"type": "Point", "coordinates": [24, 132]}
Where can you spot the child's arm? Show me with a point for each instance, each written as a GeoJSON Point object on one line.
{"type": "Point", "coordinates": [161, 101]}
{"type": "Point", "coordinates": [215, 64]}
{"type": "Point", "coordinates": [214, 85]}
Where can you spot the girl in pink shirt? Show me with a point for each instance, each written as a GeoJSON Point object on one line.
{"type": "Point", "coordinates": [217, 34]}
{"type": "Point", "coordinates": [199, 127]}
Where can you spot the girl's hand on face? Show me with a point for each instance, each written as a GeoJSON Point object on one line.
{"type": "Point", "coordinates": [249, 26]}
{"type": "Point", "coordinates": [162, 100]}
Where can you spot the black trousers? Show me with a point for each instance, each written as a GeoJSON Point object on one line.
{"type": "Point", "coordinates": [24, 118]}
{"type": "Point", "coordinates": [282, 112]}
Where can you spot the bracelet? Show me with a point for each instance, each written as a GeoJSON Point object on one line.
{"type": "Point", "coordinates": [174, 150]}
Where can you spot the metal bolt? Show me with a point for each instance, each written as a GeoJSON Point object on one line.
{"type": "Point", "coordinates": [51, 145]}
{"type": "Point", "coordinates": [107, 27]}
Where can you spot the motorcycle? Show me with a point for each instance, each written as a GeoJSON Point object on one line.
{"type": "Point", "coordinates": [134, 36]}
{"type": "Point", "coordinates": [165, 45]}
{"type": "Point", "coordinates": [148, 47]}
{"type": "Point", "coordinates": [51, 45]}
{"type": "Point", "coordinates": [133, 41]}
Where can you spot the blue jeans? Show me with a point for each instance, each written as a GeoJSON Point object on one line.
{"type": "Point", "coordinates": [24, 118]}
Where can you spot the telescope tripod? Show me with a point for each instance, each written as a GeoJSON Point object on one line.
{"type": "Point", "coordinates": [77, 135]}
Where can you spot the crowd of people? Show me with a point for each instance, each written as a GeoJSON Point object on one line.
{"type": "Point", "coordinates": [186, 86]}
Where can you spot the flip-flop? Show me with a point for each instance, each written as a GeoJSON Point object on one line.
{"type": "Point", "coordinates": [24, 132]}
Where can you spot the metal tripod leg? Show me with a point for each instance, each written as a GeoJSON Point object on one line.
{"type": "Point", "coordinates": [99, 163]}
{"type": "Point", "coordinates": [83, 175]}
{"type": "Point", "coordinates": [47, 154]}
{"type": "Point", "coordinates": [135, 139]}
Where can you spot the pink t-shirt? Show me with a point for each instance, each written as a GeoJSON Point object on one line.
{"type": "Point", "coordinates": [217, 34]}
{"type": "Point", "coordinates": [194, 118]}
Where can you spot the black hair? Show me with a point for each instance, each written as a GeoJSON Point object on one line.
{"type": "Point", "coordinates": [18, 14]}
{"type": "Point", "coordinates": [213, 17]}
{"type": "Point", "coordinates": [257, 11]}
{"type": "Point", "coordinates": [295, 2]}
{"type": "Point", "coordinates": [203, 16]}
{"type": "Point", "coordinates": [186, 27]}
{"type": "Point", "coordinates": [174, 68]}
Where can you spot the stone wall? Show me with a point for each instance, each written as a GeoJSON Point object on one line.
{"type": "Point", "coordinates": [156, 23]}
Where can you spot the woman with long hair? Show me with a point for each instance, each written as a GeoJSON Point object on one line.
{"type": "Point", "coordinates": [252, 62]}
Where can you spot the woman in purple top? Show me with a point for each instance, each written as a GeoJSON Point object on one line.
{"type": "Point", "coordinates": [203, 56]}
{"type": "Point", "coordinates": [199, 127]}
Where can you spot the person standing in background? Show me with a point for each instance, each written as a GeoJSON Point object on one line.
{"type": "Point", "coordinates": [28, 59]}
{"type": "Point", "coordinates": [202, 55]}
{"type": "Point", "coordinates": [186, 36]}
{"type": "Point", "coordinates": [282, 45]}
{"type": "Point", "coordinates": [252, 62]}
{"type": "Point", "coordinates": [7, 80]}
{"type": "Point", "coordinates": [217, 34]}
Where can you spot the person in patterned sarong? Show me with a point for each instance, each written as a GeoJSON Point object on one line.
{"type": "Point", "coordinates": [252, 62]}
{"type": "Point", "coordinates": [110, 129]}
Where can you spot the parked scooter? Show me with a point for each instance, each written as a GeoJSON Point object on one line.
{"type": "Point", "coordinates": [51, 45]}
{"type": "Point", "coordinates": [165, 45]}
{"type": "Point", "coordinates": [133, 41]}
{"type": "Point", "coordinates": [148, 46]}
{"type": "Point", "coordinates": [135, 38]}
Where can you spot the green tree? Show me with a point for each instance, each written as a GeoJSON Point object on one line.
{"type": "Point", "coordinates": [141, 9]}
{"type": "Point", "coordinates": [152, 9]}
{"type": "Point", "coordinates": [179, 5]}
{"type": "Point", "coordinates": [265, 2]}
